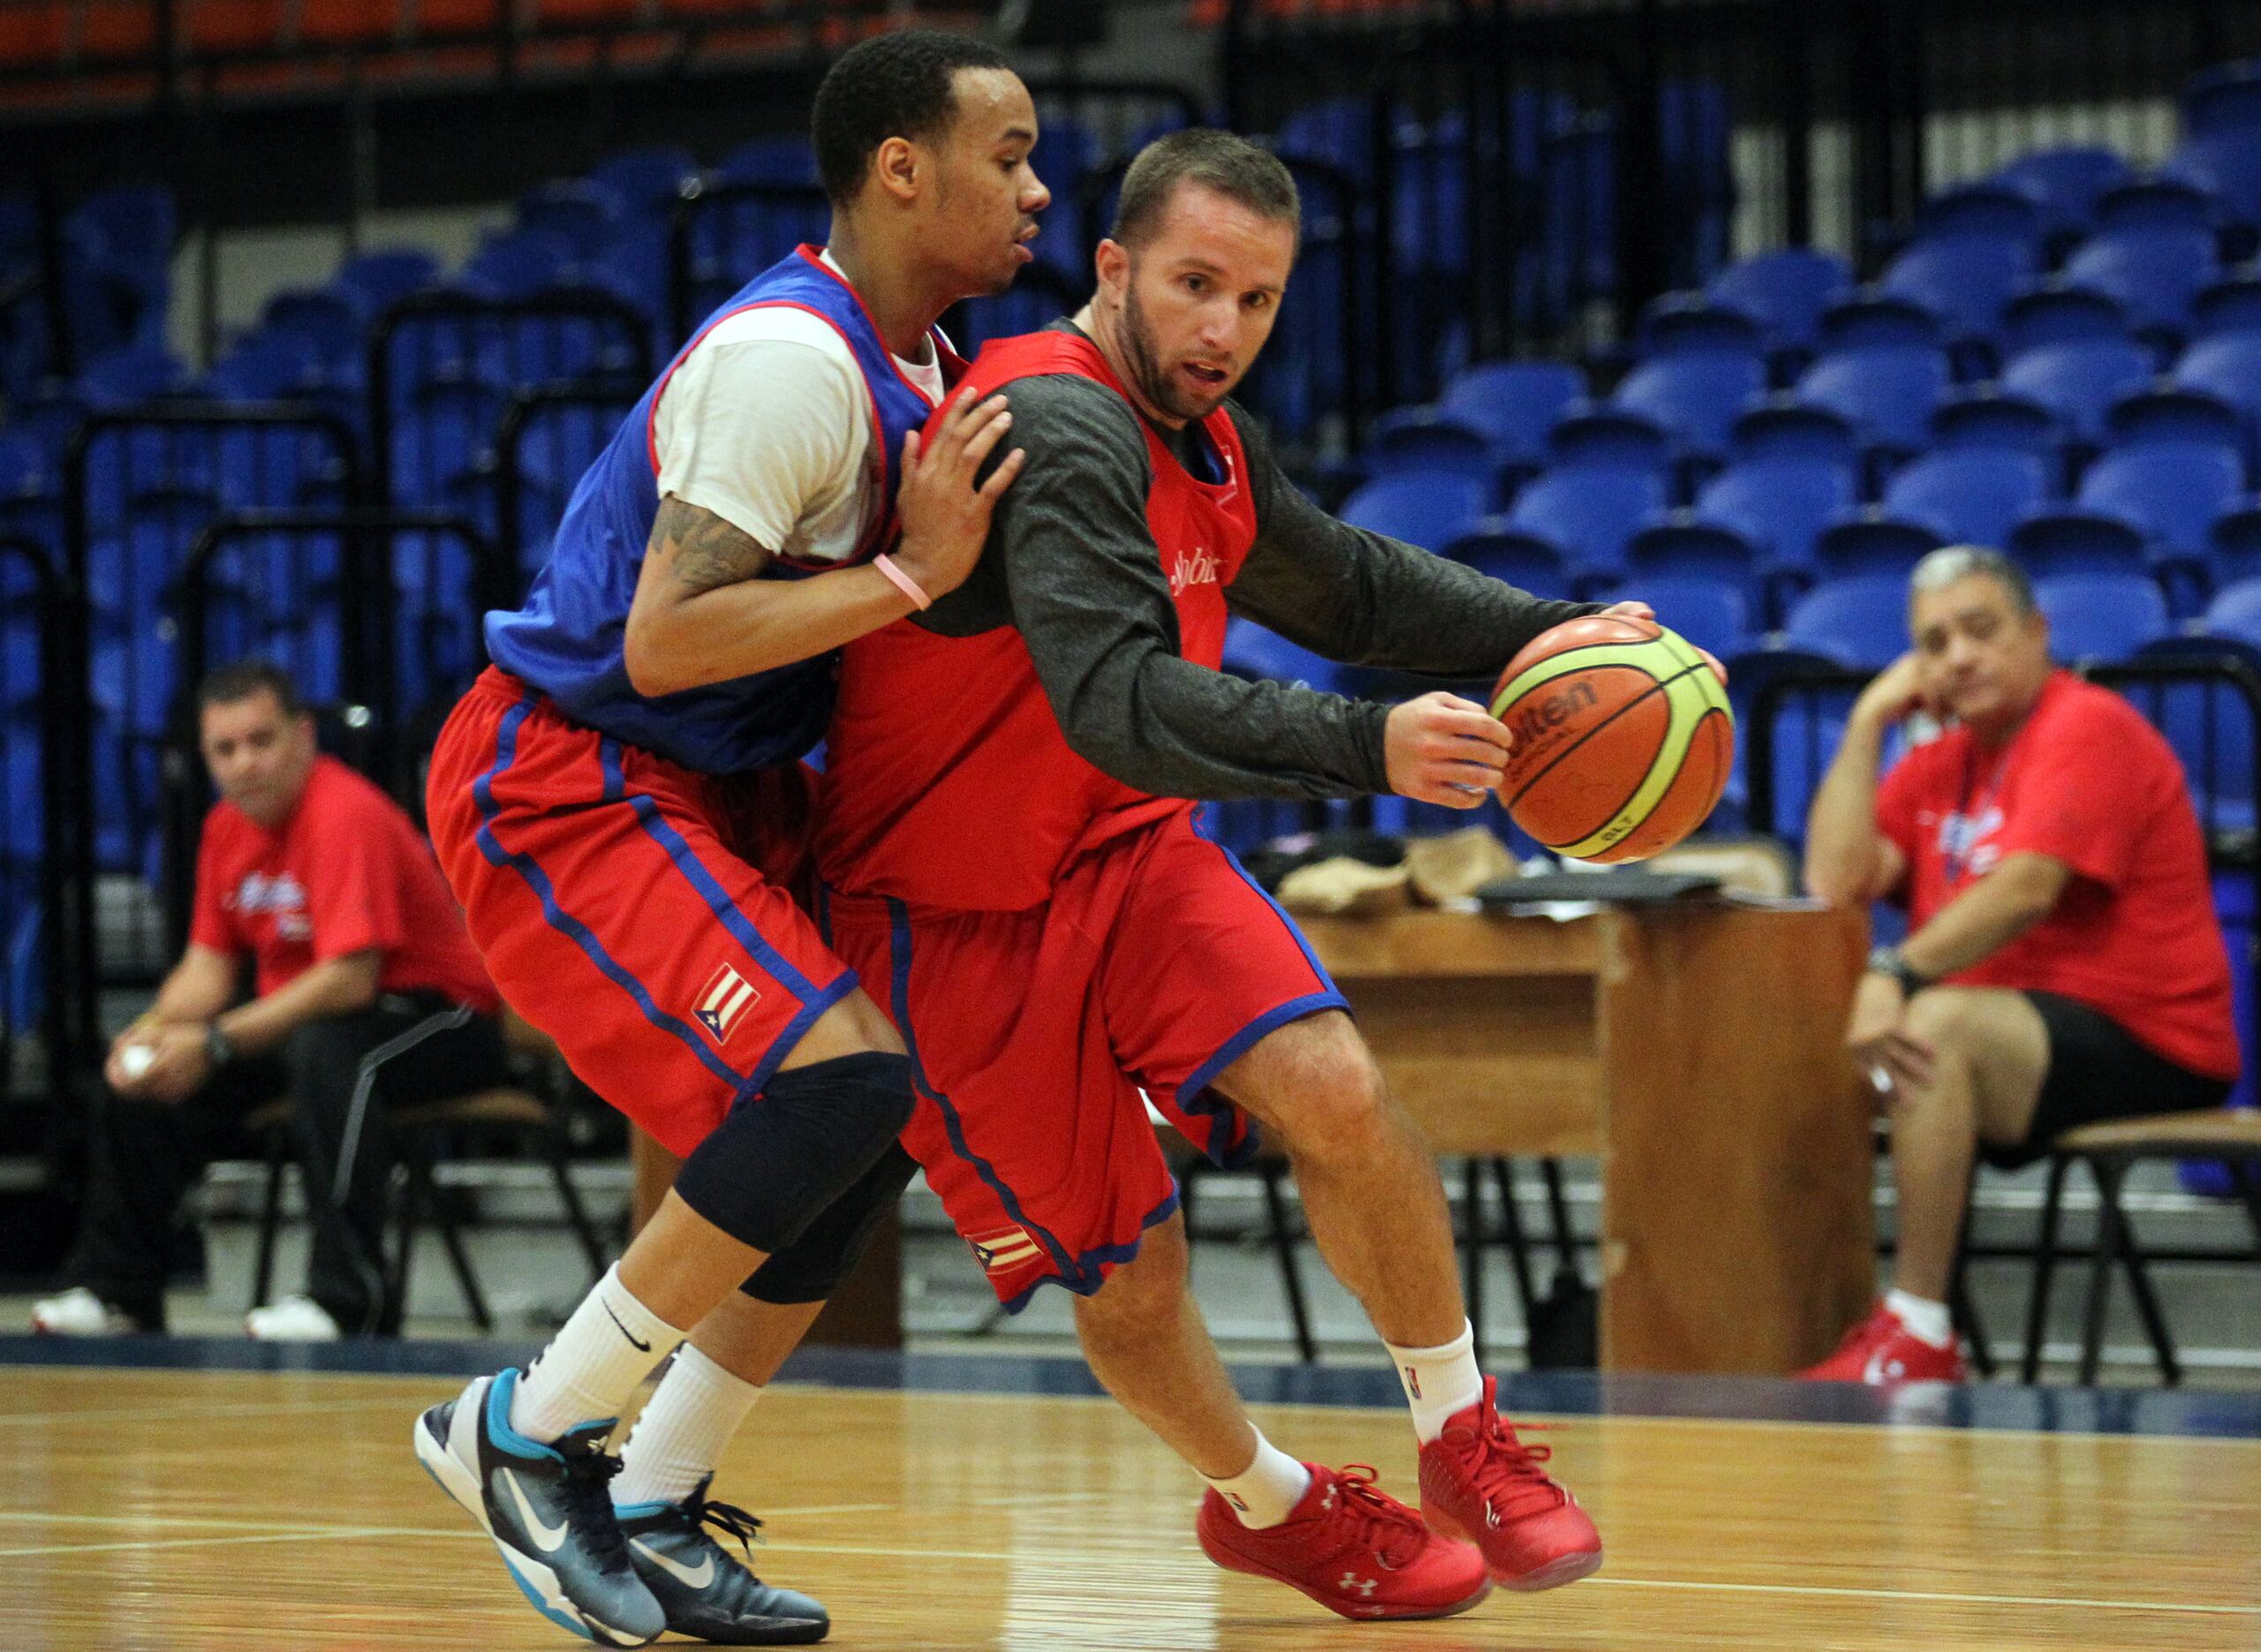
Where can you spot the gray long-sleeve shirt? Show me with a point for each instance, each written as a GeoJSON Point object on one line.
{"type": "Point", "coordinates": [1071, 563]}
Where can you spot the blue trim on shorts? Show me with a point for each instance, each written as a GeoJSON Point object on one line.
{"type": "Point", "coordinates": [781, 1045]}
{"type": "Point", "coordinates": [482, 791]}
{"type": "Point", "coordinates": [1204, 830]}
{"type": "Point", "coordinates": [1087, 1278]}
{"type": "Point", "coordinates": [662, 830]}
{"type": "Point", "coordinates": [899, 958]}
{"type": "Point", "coordinates": [615, 783]}
{"type": "Point", "coordinates": [1197, 1082]}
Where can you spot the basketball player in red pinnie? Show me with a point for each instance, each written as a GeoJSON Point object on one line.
{"type": "Point", "coordinates": [1012, 870]}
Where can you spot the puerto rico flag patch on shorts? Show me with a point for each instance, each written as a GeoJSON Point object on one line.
{"type": "Point", "coordinates": [1004, 1250]}
{"type": "Point", "coordinates": [726, 996]}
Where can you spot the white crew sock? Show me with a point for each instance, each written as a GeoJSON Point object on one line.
{"type": "Point", "coordinates": [1441, 1382]}
{"type": "Point", "coordinates": [685, 1425]}
{"type": "Point", "coordinates": [1926, 1321]}
{"type": "Point", "coordinates": [593, 1362]}
{"type": "Point", "coordinates": [1267, 1491]}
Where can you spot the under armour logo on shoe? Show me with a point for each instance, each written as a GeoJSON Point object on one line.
{"type": "Point", "coordinates": [1363, 1586]}
{"type": "Point", "coordinates": [1413, 1382]}
{"type": "Point", "coordinates": [1234, 1498]}
{"type": "Point", "coordinates": [1327, 1502]}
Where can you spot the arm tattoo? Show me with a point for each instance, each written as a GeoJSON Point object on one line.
{"type": "Point", "coordinates": [705, 552]}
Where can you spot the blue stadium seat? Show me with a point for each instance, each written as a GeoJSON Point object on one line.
{"type": "Point", "coordinates": [376, 279]}
{"type": "Point", "coordinates": [117, 248]}
{"type": "Point", "coordinates": [1873, 318]}
{"type": "Point", "coordinates": [586, 215]}
{"type": "Point", "coordinates": [1695, 394]}
{"type": "Point", "coordinates": [1589, 511]}
{"type": "Point", "coordinates": [1708, 613]}
{"type": "Point", "coordinates": [1337, 133]}
{"type": "Point", "coordinates": [1870, 540]}
{"type": "Point", "coordinates": [1695, 323]}
{"type": "Point", "coordinates": [2074, 539]}
{"type": "Point", "coordinates": [634, 269]}
{"type": "Point", "coordinates": [1786, 290]}
{"type": "Point", "coordinates": [2154, 274]}
{"type": "Point", "coordinates": [1419, 506]}
{"type": "Point", "coordinates": [1431, 439]}
{"type": "Point", "coordinates": [2235, 544]}
{"type": "Point", "coordinates": [2229, 365]}
{"type": "Point", "coordinates": [1971, 495]}
{"type": "Point", "coordinates": [2078, 379]}
{"type": "Point", "coordinates": [1682, 545]}
{"type": "Point", "coordinates": [649, 177]}
{"type": "Point", "coordinates": [519, 263]}
{"type": "Point", "coordinates": [2066, 182]}
{"type": "Point", "coordinates": [1782, 426]}
{"type": "Point", "coordinates": [1965, 279]}
{"type": "Point", "coordinates": [2232, 304]}
{"type": "Point", "coordinates": [780, 160]}
{"type": "Point", "coordinates": [1779, 504]}
{"type": "Point", "coordinates": [2057, 312]}
{"type": "Point", "coordinates": [2235, 611]}
{"type": "Point", "coordinates": [329, 319]}
{"type": "Point", "coordinates": [2226, 165]}
{"type": "Point", "coordinates": [2155, 202]}
{"type": "Point", "coordinates": [1599, 433]}
{"type": "Point", "coordinates": [2209, 728]}
{"type": "Point", "coordinates": [131, 374]}
{"type": "Point", "coordinates": [2224, 98]}
{"type": "Point", "coordinates": [1862, 620]}
{"type": "Point", "coordinates": [1530, 561]}
{"type": "Point", "coordinates": [266, 366]}
{"type": "Point", "coordinates": [2100, 616]}
{"type": "Point", "coordinates": [2166, 412]}
{"type": "Point", "coordinates": [1887, 392]}
{"type": "Point", "coordinates": [1986, 417]}
{"type": "Point", "coordinates": [1989, 209]}
{"type": "Point", "coordinates": [2175, 491]}
{"type": "Point", "coordinates": [1516, 403]}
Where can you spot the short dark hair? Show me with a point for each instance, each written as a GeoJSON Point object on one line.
{"type": "Point", "coordinates": [232, 684]}
{"type": "Point", "coordinates": [894, 86]}
{"type": "Point", "coordinates": [1231, 165]}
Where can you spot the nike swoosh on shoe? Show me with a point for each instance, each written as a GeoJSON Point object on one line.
{"type": "Point", "coordinates": [548, 1538]}
{"type": "Point", "coordinates": [689, 1577]}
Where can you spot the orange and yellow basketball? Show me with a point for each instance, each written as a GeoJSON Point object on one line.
{"type": "Point", "coordinates": [1623, 738]}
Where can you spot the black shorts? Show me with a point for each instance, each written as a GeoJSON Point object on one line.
{"type": "Point", "coordinates": [2098, 1071]}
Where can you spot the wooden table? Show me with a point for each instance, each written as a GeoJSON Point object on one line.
{"type": "Point", "coordinates": [1695, 1051]}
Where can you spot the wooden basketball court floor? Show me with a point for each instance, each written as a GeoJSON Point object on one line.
{"type": "Point", "coordinates": [166, 1505]}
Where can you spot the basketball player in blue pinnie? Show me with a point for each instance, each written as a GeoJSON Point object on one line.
{"type": "Point", "coordinates": [620, 807]}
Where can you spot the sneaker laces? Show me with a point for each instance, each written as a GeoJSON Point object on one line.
{"type": "Point", "coordinates": [1377, 1522]}
{"type": "Point", "coordinates": [727, 1517]}
{"type": "Point", "coordinates": [1510, 1477]}
{"type": "Point", "coordinates": [586, 1493]}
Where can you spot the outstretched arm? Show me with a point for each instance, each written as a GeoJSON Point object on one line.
{"type": "Point", "coordinates": [1089, 595]}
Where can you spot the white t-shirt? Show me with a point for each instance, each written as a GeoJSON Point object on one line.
{"type": "Point", "coordinates": [767, 423]}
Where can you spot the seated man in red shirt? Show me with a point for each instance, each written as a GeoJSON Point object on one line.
{"type": "Point", "coordinates": [369, 993]}
{"type": "Point", "coordinates": [2063, 962]}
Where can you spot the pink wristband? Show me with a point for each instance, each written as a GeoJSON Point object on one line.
{"type": "Point", "coordinates": [902, 581]}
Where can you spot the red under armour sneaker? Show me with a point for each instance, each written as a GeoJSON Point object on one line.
{"type": "Point", "coordinates": [1480, 1482]}
{"type": "Point", "coordinates": [1353, 1548]}
{"type": "Point", "coordinates": [1882, 1349]}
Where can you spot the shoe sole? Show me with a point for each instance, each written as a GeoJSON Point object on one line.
{"type": "Point", "coordinates": [1568, 1568]}
{"type": "Point", "coordinates": [536, 1582]}
{"type": "Point", "coordinates": [1232, 1562]}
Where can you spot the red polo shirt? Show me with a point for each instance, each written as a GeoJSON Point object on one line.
{"type": "Point", "coordinates": [2086, 781]}
{"type": "Point", "coordinates": [345, 871]}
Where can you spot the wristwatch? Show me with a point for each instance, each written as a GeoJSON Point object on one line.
{"type": "Point", "coordinates": [219, 1048]}
{"type": "Point", "coordinates": [1887, 961]}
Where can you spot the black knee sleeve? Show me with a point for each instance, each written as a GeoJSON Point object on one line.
{"type": "Point", "coordinates": [778, 1160]}
{"type": "Point", "coordinates": [811, 1267]}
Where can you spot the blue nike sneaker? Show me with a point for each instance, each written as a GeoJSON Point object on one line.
{"type": "Point", "coordinates": [706, 1593]}
{"type": "Point", "coordinates": [547, 1507]}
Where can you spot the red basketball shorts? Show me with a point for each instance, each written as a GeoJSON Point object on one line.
{"type": "Point", "coordinates": [1156, 964]}
{"type": "Point", "coordinates": [635, 910]}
